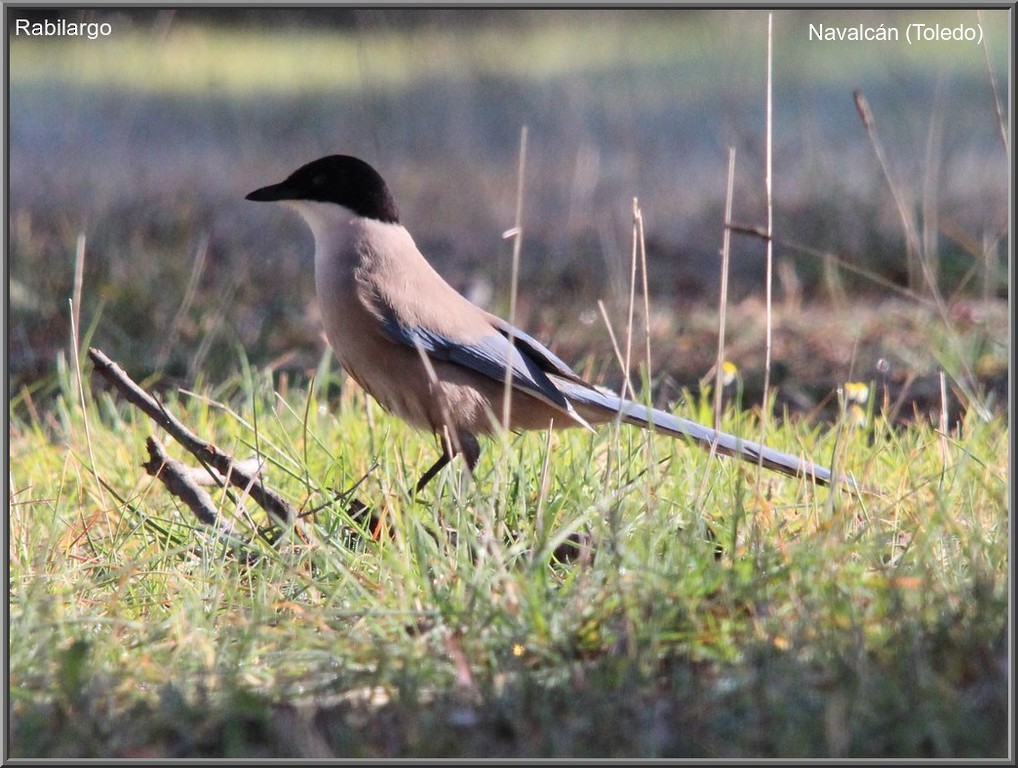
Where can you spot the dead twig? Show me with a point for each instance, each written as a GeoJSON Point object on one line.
{"type": "Point", "coordinates": [176, 476]}
{"type": "Point", "coordinates": [275, 505]}
{"type": "Point", "coordinates": [179, 479]}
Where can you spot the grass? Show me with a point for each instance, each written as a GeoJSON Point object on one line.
{"type": "Point", "coordinates": [832, 625]}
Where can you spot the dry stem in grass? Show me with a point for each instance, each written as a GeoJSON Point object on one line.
{"type": "Point", "coordinates": [726, 239]}
{"type": "Point", "coordinates": [769, 324]}
{"type": "Point", "coordinates": [517, 234]}
{"type": "Point", "coordinates": [75, 311]}
{"type": "Point", "coordinates": [1001, 120]}
{"type": "Point", "coordinates": [627, 361]}
{"type": "Point", "coordinates": [197, 269]}
{"type": "Point", "coordinates": [640, 248]}
{"type": "Point", "coordinates": [917, 259]}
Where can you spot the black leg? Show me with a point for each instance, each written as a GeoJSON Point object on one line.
{"type": "Point", "coordinates": [435, 468]}
{"type": "Point", "coordinates": [466, 445]}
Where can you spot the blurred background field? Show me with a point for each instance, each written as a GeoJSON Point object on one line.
{"type": "Point", "coordinates": [145, 142]}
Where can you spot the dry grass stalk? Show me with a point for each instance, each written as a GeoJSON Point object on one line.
{"type": "Point", "coordinates": [769, 320]}
{"type": "Point", "coordinates": [726, 239]}
{"type": "Point", "coordinates": [517, 234]}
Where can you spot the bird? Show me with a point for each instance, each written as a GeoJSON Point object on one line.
{"type": "Point", "coordinates": [434, 359]}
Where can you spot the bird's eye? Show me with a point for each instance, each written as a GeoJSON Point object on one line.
{"type": "Point", "coordinates": [319, 180]}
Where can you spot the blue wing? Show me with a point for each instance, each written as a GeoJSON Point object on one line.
{"type": "Point", "coordinates": [547, 360]}
{"type": "Point", "coordinates": [529, 362]}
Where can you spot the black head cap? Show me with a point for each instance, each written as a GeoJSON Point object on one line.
{"type": "Point", "coordinates": [339, 179]}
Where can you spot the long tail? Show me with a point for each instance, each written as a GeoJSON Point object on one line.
{"type": "Point", "coordinates": [596, 405]}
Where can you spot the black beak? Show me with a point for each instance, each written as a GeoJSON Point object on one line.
{"type": "Point", "coordinates": [272, 193]}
